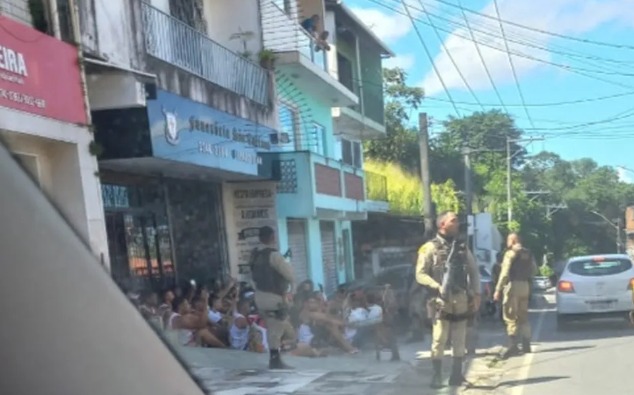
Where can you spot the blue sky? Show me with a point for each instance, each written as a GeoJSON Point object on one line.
{"type": "Point", "coordinates": [601, 128]}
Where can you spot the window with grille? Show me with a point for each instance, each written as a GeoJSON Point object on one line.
{"type": "Point", "coordinates": [289, 125]}
{"type": "Point", "coordinates": [318, 139]}
{"type": "Point", "coordinates": [351, 153]}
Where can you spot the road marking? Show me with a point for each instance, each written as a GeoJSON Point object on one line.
{"type": "Point", "coordinates": [528, 358]}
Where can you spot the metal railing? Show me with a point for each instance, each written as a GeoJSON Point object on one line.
{"type": "Point", "coordinates": [376, 186]}
{"type": "Point", "coordinates": [176, 43]}
{"type": "Point", "coordinates": [308, 47]}
{"type": "Point", "coordinates": [282, 32]}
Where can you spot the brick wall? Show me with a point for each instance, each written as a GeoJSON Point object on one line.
{"type": "Point", "coordinates": [327, 180]}
{"type": "Point", "coordinates": [354, 186]}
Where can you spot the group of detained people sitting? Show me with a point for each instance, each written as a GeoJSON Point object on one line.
{"type": "Point", "coordinates": [200, 316]}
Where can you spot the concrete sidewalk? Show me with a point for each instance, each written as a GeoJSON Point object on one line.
{"type": "Point", "coordinates": [226, 372]}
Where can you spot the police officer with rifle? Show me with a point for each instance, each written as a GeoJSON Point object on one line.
{"type": "Point", "coordinates": [273, 277]}
{"type": "Point", "coordinates": [448, 270]}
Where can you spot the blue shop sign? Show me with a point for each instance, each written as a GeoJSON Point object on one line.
{"type": "Point", "coordinates": [186, 131]}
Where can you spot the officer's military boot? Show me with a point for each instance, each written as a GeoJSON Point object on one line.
{"type": "Point", "coordinates": [457, 379]}
{"type": "Point", "coordinates": [275, 361]}
{"type": "Point", "coordinates": [526, 345]}
{"type": "Point", "coordinates": [511, 349]}
{"type": "Point", "coordinates": [436, 379]}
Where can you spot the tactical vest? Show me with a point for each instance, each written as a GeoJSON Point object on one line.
{"type": "Point", "coordinates": [457, 267]}
{"type": "Point", "coordinates": [266, 278]}
{"type": "Point", "coordinates": [521, 266]}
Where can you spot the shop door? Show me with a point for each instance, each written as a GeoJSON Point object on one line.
{"type": "Point", "coordinates": [329, 256]}
{"type": "Point", "coordinates": [140, 250]}
{"type": "Point", "coordinates": [297, 245]}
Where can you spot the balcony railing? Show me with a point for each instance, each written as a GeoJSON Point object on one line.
{"type": "Point", "coordinates": [176, 43]}
{"type": "Point", "coordinates": [308, 48]}
{"type": "Point", "coordinates": [376, 186]}
{"type": "Point", "coordinates": [283, 33]}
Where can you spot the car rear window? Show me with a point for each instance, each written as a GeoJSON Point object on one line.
{"type": "Point", "coordinates": [600, 267]}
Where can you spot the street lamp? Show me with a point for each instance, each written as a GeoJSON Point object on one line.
{"type": "Point", "coordinates": [616, 226]}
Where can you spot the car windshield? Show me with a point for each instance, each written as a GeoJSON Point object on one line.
{"type": "Point", "coordinates": [599, 267]}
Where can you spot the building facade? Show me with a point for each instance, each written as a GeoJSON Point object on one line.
{"type": "Point", "coordinates": [181, 119]}
{"type": "Point", "coordinates": [322, 114]}
{"type": "Point", "coordinates": [43, 115]}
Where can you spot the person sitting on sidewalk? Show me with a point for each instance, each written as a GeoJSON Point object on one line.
{"type": "Point", "coordinates": [190, 326]}
{"type": "Point", "coordinates": [149, 308]}
{"type": "Point", "coordinates": [165, 309]}
{"type": "Point", "coordinates": [318, 328]}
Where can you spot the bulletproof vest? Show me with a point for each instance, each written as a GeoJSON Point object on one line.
{"type": "Point", "coordinates": [522, 266]}
{"type": "Point", "coordinates": [266, 278]}
{"type": "Point", "coordinates": [456, 265]}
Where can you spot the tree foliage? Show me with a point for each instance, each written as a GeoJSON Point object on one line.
{"type": "Point", "coordinates": [593, 195]}
{"type": "Point", "coordinates": [405, 192]}
{"type": "Point", "coordinates": [400, 144]}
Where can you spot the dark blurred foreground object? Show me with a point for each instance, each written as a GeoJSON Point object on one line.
{"type": "Point", "coordinates": [86, 352]}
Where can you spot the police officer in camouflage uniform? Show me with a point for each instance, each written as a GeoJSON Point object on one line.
{"type": "Point", "coordinates": [448, 270]}
{"type": "Point", "coordinates": [514, 285]}
{"type": "Point", "coordinates": [273, 277]}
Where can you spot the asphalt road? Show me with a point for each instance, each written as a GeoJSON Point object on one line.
{"type": "Point", "coordinates": [586, 358]}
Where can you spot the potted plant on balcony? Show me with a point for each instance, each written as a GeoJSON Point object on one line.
{"type": "Point", "coordinates": [267, 59]}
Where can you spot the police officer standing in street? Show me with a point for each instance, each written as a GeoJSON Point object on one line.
{"type": "Point", "coordinates": [273, 277]}
{"type": "Point", "coordinates": [448, 270]}
{"type": "Point", "coordinates": [513, 287]}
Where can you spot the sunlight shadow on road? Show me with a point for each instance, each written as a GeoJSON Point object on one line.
{"type": "Point", "coordinates": [533, 380]}
{"type": "Point", "coordinates": [570, 348]}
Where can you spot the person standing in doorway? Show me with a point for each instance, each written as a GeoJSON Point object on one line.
{"type": "Point", "coordinates": [448, 270]}
{"type": "Point", "coordinates": [513, 287]}
{"type": "Point", "coordinates": [273, 278]}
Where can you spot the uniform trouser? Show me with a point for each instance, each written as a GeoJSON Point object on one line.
{"type": "Point", "coordinates": [515, 309]}
{"type": "Point", "coordinates": [456, 304]}
{"type": "Point", "coordinates": [278, 326]}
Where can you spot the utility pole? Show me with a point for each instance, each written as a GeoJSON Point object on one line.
{"type": "Point", "coordinates": [423, 143]}
{"type": "Point", "coordinates": [509, 206]}
{"type": "Point", "coordinates": [618, 236]}
{"type": "Point", "coordinates": [617, 226]}
{"type": "Point", "coordinates": [509, 160]}
{"type": "Point", "coordinates": [468, 188]}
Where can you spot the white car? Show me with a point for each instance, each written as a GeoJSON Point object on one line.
{"type": "Point", "coordinates": [595, 286]}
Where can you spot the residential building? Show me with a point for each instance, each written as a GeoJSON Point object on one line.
{"type": "Point", "coordinates": [318, 162]}
{"type": "Point", "coordinates": [43, 114]}
{"type": "Point", "coordinates": [181, 117]}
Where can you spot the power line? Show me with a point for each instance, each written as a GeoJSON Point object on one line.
{"type": "Point", "coordinates": [455, 65]}
{"type": "Point", "coordinates": [582, 72]}
{"type": "Point", "coordinates": [430, 57]}
{"type": "Point", "coordinates": [533, 29]}
{"type": "Point", "coordinates": [545, 104]}
{"type": "Point", "coordinates": [517, 82]}
{"type": "Point", "coordinates": [484, 64]}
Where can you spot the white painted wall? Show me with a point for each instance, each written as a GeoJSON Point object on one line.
{"type": "Point", "coordinates": [114, 33]}
{"type": "Point", "coordinates": [330, 26]}
{"type": "Point", "coordinates": [67, 170]}
{"type": "Point", "coordinates": [228, 17]}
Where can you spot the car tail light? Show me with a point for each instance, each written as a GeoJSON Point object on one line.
{"type": "Point", "coordinates": [630, 285]}
{"type": "Point", "coordinates": [565, 286]}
